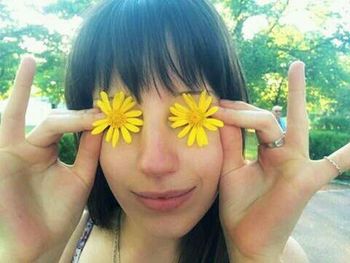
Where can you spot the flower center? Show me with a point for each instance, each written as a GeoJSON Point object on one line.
{"type": "Point", "coordinates": [117, 119]}
{"type": "Point", "coordinates": [196, 117]}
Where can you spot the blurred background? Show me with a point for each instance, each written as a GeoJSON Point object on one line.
{"type": "Point", "coordinates": [268, 35]}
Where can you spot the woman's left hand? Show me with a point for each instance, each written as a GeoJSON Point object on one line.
{"type": "Point", "coordinates": [261, 201]}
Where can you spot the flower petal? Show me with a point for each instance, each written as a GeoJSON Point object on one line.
{"type": "Point", "coordinates": [133, 113]}
{"type": "Point", "coordinates": [176, 112]}
{"type": "Point", "coordinates": [100, 122]}
{"type": "Point", "coordinates": [126, 135]}
{"type": "Point", "coordinates": [179, 123]}
{"type": "Point", "coordinates": [105, 99]}
{"type": "Point", "coordinates": [135, 121]}
{"type": "Point", "coordinates": [104, 96]}
{"type": "Point", "coordinates": [104, 107]}
{"type": "Point", "coordinates": [184, 131]}
{"type": "Point", "coordinates": [109, 134]}
{"type": "Point", "coordinates": [202, 138]}
{"type": "Point", "coordinates": [99, 129]}
{"type": "Point", "coordinates": [189, 101]}
{"type": "Point", "coordinates": [181, 108]}
{"type": "Point", "coordinates": [211, 111]}
{"type": "Point", "coordinates": [115, 138]}
{"type": "Point", "coordinates": [202, 99]}
{"type": "Point", "coordinates": [207, 103]}
{"type": "Point", "coordinates": [209, 126]}
{"type": "Point", "coordinates": [131, 127]}
{"type": "Point", "coordinates": [127, 104]}
{"type": "Point", "coordinates": [175, 118]}
{"type": "Point", "coordinates": [192, 136]}
{"type": "Point", "coordinates": [118, 100]}
{"type": "Point", "coordinates": [215, 122]}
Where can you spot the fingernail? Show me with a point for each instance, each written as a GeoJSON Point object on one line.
{"type": "Point", "coordinates": [93, 110]}
{"type": "Point", "coordinates": [100, 115]}
{"type": "Point", "coordinates": [229, 101]}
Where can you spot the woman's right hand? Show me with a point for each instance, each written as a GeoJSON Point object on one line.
{"type": "Point", "coordinates": [41, 198]}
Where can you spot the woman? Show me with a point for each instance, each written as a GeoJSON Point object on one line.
{"type": "Point", "coordinates": [230, 210]}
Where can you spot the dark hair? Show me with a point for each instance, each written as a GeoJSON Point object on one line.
{"type": "Point", "coordinates": [144, 40]}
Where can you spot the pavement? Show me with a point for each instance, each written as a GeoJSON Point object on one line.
{"type": "Point", "coordinates": [323, 229]}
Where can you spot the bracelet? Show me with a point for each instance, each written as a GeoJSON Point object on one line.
{"type": "Point", "coordinates": [340, 171]}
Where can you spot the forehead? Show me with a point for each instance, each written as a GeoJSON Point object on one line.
{"type": "Point", "coordinates": [118, 85]}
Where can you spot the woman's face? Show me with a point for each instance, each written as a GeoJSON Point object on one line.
{"type": "Point", "coordinates": [157, 161]}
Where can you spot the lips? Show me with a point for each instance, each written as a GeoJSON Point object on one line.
{"type": "Point", "coordinates": [165, 201]}
{"type": "Point", "coordinates": [164, 195]}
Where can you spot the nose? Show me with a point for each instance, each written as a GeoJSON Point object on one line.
{"type": "Point", "coordinates": [158, 154]}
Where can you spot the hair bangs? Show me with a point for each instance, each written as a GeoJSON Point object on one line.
{"type": "Point", "coordinates": [155, 42]}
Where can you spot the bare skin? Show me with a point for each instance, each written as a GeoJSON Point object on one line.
{"type": "Point", "coordinates": [35, 187]}
{"type": "Point", "coordinates": [260, 202]}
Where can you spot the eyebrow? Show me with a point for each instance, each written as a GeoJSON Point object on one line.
{"type": "Point", "coordinates": [177, 93]}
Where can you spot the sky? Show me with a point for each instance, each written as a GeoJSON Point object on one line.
{"type": "Point", "coordinates": [26, 11]}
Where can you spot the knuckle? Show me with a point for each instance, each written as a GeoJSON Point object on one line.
{"type": "Point", "coordinates": [50, 121]}
{"type": "Point", "coordinates": [268, 119]}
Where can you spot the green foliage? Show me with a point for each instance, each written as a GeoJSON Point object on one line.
{"type": "Point", "coordinates": [266, 57]}
{"type": "Point", "coordinates": [323, 143]}
{"type": "Point", "coordinates": [69, 8]}
{"type": "Point", "coordinates": [67, 149]}
{"type": "Point", "coordinates": [50, 61]}
{"type": "Point", "coordinates": [332, 123]}
{"type": "Point", "coordinates": [9, 49]}
{"type": "Point", "coordinates": [251, 146]}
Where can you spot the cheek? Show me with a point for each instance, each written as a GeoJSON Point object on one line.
{"type": "Point", "coordinates": [207, 162]}
{"type": "Point", "coordinates": [204, 163]}
{"type": "Point", "coordinates": [114, 161]}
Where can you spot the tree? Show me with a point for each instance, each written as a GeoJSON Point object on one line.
{"type": "Point", "coordinates": [265, 57]}
{"type": "Point", "coordinates": [51, 59]}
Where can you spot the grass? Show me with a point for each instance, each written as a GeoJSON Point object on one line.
{"type": "Point", "coordinates": [251, 146]}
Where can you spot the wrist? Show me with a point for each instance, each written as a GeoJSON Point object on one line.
{"type": "Point", "coordinates": [236, 256]}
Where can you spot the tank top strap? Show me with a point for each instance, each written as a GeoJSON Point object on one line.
{"type": "Point", "coordinates": [82, 241]}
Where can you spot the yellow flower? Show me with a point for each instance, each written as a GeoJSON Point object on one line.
{"type": "Point", "coordinates": [196, 117]}
{"type": "Point", "coordinates": [119, 118]}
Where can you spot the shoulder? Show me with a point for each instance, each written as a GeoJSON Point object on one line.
{"type": "Point", "coordinates": [72, 243]}
{"type": "Point", "coordinates": [294, 253]}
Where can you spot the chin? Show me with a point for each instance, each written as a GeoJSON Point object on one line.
{"type": "Point", "coordinates": [176, 226]}
{"type": "Point", "coordinates": [174, 230]}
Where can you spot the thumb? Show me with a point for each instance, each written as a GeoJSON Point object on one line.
{"type": "Point", "coordinates": [87, 157]}
{"type": "Point", "coordinates": [232, 145]}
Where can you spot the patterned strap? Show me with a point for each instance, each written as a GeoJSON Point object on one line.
{"type": "Point", "coordinates": [82, 241]}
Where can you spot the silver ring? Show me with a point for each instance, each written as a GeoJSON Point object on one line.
{"type": "Point", "coordinates": [275, 144]}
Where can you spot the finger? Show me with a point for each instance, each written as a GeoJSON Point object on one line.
{"type": "Point", "coordinates": [56, 124]}
{"type": "Point", "coordinates": [262, 121]}
{"type": "Point", "coordinates": [238, 105]}
{"type": "Point", "coordinates": [13, 117]}
{"type": "Point", "coordinates": [297, 118]}
{"type": "Point", "coordinates": [232, 145]}
{"type": "Point", "coordinates": [87, 157]}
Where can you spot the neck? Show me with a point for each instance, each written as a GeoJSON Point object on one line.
{"type": "Point", "coordinates": [139, 245]}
